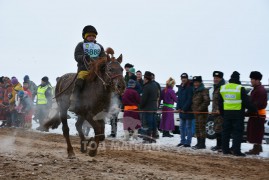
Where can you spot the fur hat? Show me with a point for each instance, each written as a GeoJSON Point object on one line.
{"type": "Point", "coordinates": [218, 74]}
{"type": "Point", "coordinates": [255, 75]}
{"type": "Point", "coordinates": [184, 75]}
{"type": "Point", "coordinates": [132, 70]}
{"type": "Point", "coordinates": [45, 79]}
{"type": "Point", "coordinates": [170, 82]}
{"type": "Point", "coordinates": [148, 75]}
{"type": "Point", "coordinates": [128, 65]}
{"type": "Point", "coordinates": [197, 78]}
{"type": "Point", "coordinates": [131, 83]}
{"type": "Point", "coordinates": [14, 81]}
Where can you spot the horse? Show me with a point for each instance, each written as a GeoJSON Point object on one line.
{"type": "Point", "coordinates": [105, 77]}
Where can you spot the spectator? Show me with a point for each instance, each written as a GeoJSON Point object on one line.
{"type": "Point", "coordinates": [8, 90]}
{"type": "Point", "coordinates": [255, 127]}
{"type": "Point", "coordinates": [44, 101]}
{"type": "Point", "coordinates": [14, 101]}
{"type": "Point", "coordinates": [132, 76]}
{"type": "Point", "coordinates": [149, 105]}
{"type": "Point", "coordinates": [218, 119]}
{"type": "Point", "coordinates": [131, 120]}
{"type": "Point", "coordinates": [139, 78]}
{"type": "Point", "coordinates": [185, 93]}
{"type": "Point", "coordinates": [168, 96]}
{"type": "Point", "coordinates": [31, 86]}
{"type": "Point", "coordinates": [26, 88]}
{"type": "Point", "coordinates": [127, 67]}
{"type": "Point", "coordinates": [200, 103]}
{"type": "Point", "coordinates": [25, 109]}
{"type": "Point", "coordinates": [2, 106]}
{"type": "Point", "coordinates": [233, 101]}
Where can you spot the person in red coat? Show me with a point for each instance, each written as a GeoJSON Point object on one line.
{"type": "Point", "coordinates": [131, 120]}
{"type": "Point", "coordinates": [255, 127]}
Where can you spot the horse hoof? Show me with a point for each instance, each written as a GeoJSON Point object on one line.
{"type": "Point", "coordinates": [102, 137]}
{"type": "Point", "coordinates": [71, 156]}
{"type": "Point", "coordinates": [92, 153]}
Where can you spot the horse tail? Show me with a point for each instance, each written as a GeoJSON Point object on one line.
{"type": "Point", "coordinates": [53, 119]}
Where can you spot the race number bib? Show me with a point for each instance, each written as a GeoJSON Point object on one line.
{"type": "Point", "coordinates": [92, 49]}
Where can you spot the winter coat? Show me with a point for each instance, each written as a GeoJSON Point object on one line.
{"type": "Point", "coordinates": [33, 89]}
{"type": "Point", "coordinates": [237, 114]}
{"type": "Point", "coordinates": [184, 102]}
{"type": "Point", "coordinates": [255, 128]}
{"type": "Point", "coordinates": [8, 92]}
{"type": "Point", "coordinates": [16, 88]}
{"type": "Point", "coordinates": [215, 101]}
{"type": "Point", "coordinates": [80, 55]}
{"type": "Point", "coordinates": [26, 104]}
{"type": "Point", "coordinates": [168, 96]}
{"type": "Point", "coordinates": [149, 97]}
{"type": "Point", "coordinates": [200, 99]}
{"type": "Point", "coordinates": [131, 119]}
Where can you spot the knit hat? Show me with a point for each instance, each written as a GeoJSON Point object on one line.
{"type": "Point", "coordinates": [26, 78]}
{"type": "Point", "coordinates": [148, 75]}
{"type": "Point", "coordinates": [21, 93]}
{"type": "Point", "coordinates": [132, 70]}
{"type": "Point", "coordinates": [131, 83]}
{"type": "Point", "coordinates": [128, 65]}
{"type": "Point", "coordinates": [14, 81]}
{"type": "Point", "coordinates": [45, 79]}
{"type": "Point", "coordinates": [170, 82]}
{"type": "Point", "coordinates": [197, 78]}
{"type": "Point", "coordinates": [218, 74]}
{"type": "Point", "coordinates": [235, 75]}
{"type": "Point", "coordinates": [255, 75]}
{"type": "Point", "coordinates": [184, 75]}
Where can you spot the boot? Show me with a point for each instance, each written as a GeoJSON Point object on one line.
{"type": "Point", "coordinates": [126, 135]}
{"type": "Point", "coordinates": [218, 145]}
{"type": "Point", "coordinates": [169, 135]}
{"type": "Point", "coordinates": [257, 148]}
{"type": "Point", "coordinates": [198, 143]}
{"type": "Point", "coordinates": [74, 99]}
{"type": "Point", "coordinates": [202, 144]}
{"type": "Point", "coordinates": [165, 134]}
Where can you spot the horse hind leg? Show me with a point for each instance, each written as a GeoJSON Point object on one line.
{"type": "Point", "coordinates": [83, 142]}
{"type": "Point", "coordinates": [65, 129]}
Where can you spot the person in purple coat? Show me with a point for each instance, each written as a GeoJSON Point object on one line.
{"type": "Point", "coordinates": [131, 100]}
{"type": "Point", "coordinates": [168, 96]}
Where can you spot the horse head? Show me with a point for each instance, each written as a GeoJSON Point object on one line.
{"type": "Point", "coordinates": [114, 72]}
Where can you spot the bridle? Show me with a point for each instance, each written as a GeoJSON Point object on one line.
{"type": "Point", "coordinates": [108, 74]}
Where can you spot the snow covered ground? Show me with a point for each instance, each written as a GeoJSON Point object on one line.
{"type": "Point", "coordinates": [162, 143]}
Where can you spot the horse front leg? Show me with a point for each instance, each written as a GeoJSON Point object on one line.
{"type": "Point", "coordinates": [83, 142]}
{"type": "Point", "coordinates": [99, 136]}
{"type": "Point", "coordinates": [65, 129]}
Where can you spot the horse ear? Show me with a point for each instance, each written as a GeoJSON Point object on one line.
{"type": "Point", "coordinates": [119, 59]}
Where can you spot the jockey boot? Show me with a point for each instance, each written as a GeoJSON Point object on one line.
{"type": "Point", "coordinates": [74, 99]}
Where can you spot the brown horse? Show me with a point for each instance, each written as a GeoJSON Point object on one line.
{"type": "Point", "coordinates": [106, 77]}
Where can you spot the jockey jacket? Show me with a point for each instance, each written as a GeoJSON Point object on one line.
{"type": "Point", "coordinates": [92, 49]}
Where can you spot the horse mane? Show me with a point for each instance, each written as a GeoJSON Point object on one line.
{"type": "Point", "coordinates": [98, 67]}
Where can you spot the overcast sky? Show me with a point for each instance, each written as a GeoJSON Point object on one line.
{"type": "Point", "coordinates": [167, 37]}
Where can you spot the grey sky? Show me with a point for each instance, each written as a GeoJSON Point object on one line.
{"type": "Point", "coordinates": [167, 37]}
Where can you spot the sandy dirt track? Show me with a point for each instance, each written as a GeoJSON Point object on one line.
{"type": "Point", "coordinates": [32, 155]}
